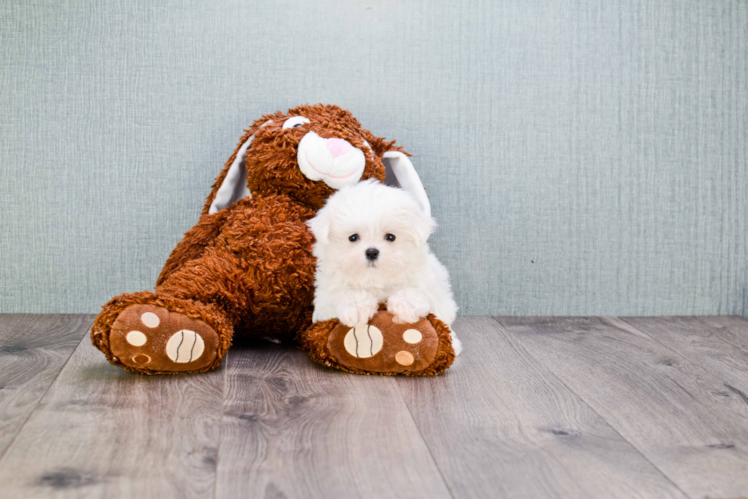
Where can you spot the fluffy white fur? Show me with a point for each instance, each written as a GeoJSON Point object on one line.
{"type": "Point", "coordinates": [405, 274]}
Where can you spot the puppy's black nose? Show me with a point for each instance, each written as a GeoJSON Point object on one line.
{"type": "Point", "coordinates": [372, 253]}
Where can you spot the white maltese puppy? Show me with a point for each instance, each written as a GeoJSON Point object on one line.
{"type": "Point", "coordinates": [371, 248]}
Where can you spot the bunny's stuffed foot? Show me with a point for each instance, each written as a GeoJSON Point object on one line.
{"type": "Point", "coordinates": [148, 334]}
{"type": "Point", "coordinates": [382, 346]}
{"type": "Point", "coordinates": [147, 337]}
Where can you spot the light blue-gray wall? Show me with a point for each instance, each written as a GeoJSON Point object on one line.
{"type": "Point", "coordinates": [582, 157]}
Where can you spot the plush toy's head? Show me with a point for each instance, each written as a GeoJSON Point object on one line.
{"type": "Point", "coordinates": [307, 154]}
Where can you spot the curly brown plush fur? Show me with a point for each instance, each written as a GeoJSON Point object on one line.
{"type": "Point", "coordinates": [248, 269]}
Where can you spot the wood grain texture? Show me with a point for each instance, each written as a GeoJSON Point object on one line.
{"type": "Point", "coordinates": [103, 432]}
{"type": "Point", "coordinates": [674, 411]}
{"type": "Point", "coordinates": [718, 343]}
{"type": "Point", "coordinates": [559, 407]}
{"type": "Point", "coordinates": [499, 424]}
{"type": "Point", "coordinates": [295, 429]}
{"type": "Point", "coordinates": [33, 350]}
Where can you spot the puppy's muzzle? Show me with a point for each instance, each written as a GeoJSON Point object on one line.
{"type": "Point", "coordinates": [371, 254]}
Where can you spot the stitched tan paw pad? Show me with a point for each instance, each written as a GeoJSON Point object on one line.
{"type": "Point", "coordinates": [149, 337]}
{"type": "Point", "coordinates": [383, 346]}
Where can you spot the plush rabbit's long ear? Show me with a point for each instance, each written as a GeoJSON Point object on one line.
{"type": "Point", "coordinates": [401, 173]}
{"type": "Point", "coordinates": [233, 186]}
{"type": "Point", "coordinates": [231, 183]}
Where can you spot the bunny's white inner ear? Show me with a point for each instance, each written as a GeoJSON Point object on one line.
{"type": "Point", "coordinates": [401, 173]}
{"type": "Point", "coordinates": [234, 186]}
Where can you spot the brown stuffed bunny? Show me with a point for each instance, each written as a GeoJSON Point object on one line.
{"type": "Point", "coordinates": [247, 268]}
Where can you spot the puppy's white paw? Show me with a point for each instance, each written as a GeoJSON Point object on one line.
{"type": "Point", "coordinates": [408, 305]}
{"type": "Point", "coordinates": [357, 310]}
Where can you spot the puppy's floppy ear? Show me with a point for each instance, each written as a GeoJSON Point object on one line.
{"type": "Point", "coordinates": [401, 173]}
{"type": "Point", "coordinates": [320, 225]}
{"type": "Point", "coordinates": [422, 225]}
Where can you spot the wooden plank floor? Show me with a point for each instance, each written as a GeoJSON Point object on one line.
{"type": "Point", "coordinates": [535, 407]}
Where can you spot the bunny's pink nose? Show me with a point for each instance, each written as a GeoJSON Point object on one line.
{"type": "Point", "coordinates": [338, 147]}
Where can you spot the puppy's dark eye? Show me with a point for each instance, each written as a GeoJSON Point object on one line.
{"type": "Point", "coordinates": [389, 237]}
{"type": "Point", "coordinates": [353, 238]}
